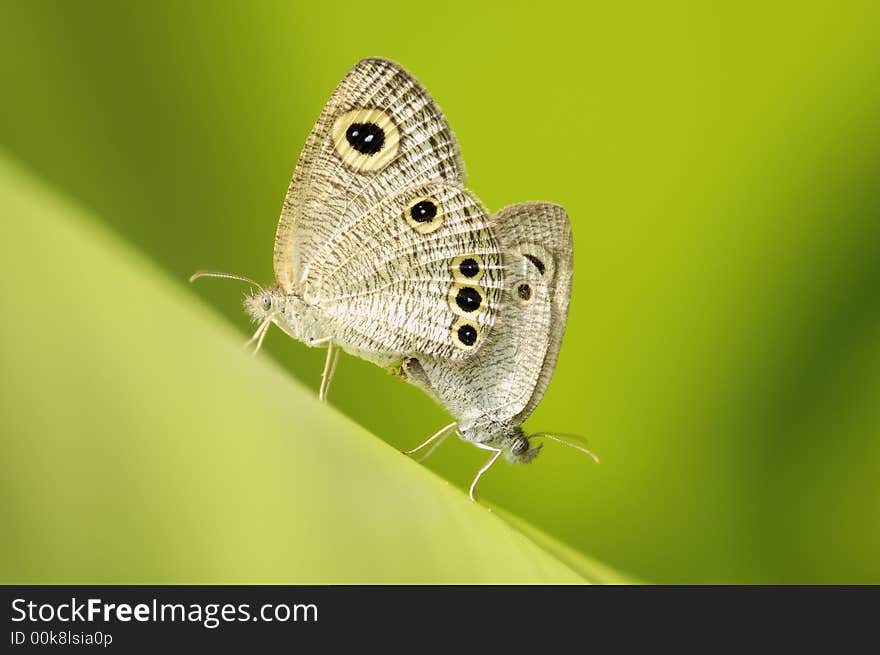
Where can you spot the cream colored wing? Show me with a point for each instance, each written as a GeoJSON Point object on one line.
{"type": "Point", "coordinates": [419, 274]}
{"type": "Point", "coordinates": [500, 386]}
{"type": "Point", "coordinates": [380, 133]}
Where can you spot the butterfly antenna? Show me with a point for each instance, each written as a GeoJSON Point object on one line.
{"type": "Point", "coordinates": [553, 437]}
{"type": "Point", "coordinates": [227, 276]}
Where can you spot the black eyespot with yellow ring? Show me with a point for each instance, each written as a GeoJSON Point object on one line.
{"type": "Point", "coordinates": [467, 268]}
{"type": "Point", "coordinates": [466, 299]}
{"type": "Point", "coordinates": [465, 333]}
{"type": "Point", "coordinates": [365, 139]}
{"type": "Point", "coordinates": [424, 214]}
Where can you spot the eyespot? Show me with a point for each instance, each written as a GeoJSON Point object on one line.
{"type": "Point", "coordinates": [467, 268]}
{"type": "Point", "coordinates": [466, 299]}
{"type": "Point", "coordinates": [524, 291]}
{"type": "Point", "coordinates": [465, 333]}
{"type": "Point", "coordinates": [424, 215]}
{"type": "Point", "coordinates": [365, 139]}
{"type": "Point", "coordinates": [424, 211]}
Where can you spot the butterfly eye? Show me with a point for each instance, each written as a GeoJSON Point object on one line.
{"type": "Point", "coordinates": [520, 446]}
{"type": "Point", "coordinates": [267, 303]}
{"type": "Point", "coordinates": [365, 139]}
{"type": "Point", "coordinates": [424, 215]}
{"type": "Point", "coordinates": [524, 291]}
{"type": "Point", "coordinates": [465, 333]}
{"type": "Point", "coordinates": [467, 268]}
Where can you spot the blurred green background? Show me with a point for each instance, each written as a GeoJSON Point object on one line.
{"type": "Point", "coordinates": [719, 162]}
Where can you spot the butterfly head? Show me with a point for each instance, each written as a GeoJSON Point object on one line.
{"type": "Point", "coordinates": [520, 448]}
{"type": "Point", "coordinates": [512, 441]}
{"type": "Point", "coordinates": [273, 305]}
{"type": "Point", "coordinates": [517, 447]}
{"type": "Point", "coordinates": [264, 304]}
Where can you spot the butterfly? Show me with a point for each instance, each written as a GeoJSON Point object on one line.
{"type": "Point", "coordinates": [375, 216]}
{"type": "Point", "coordinates": [496, 390]}
{"type": "Point", "coordinates": [383, 253]}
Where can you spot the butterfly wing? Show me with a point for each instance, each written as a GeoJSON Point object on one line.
{"type": "Point", "coordinates": [420, 273]}
{"type": "Point", "coordinates": [543, 233]}
{"type": "Point", "coordinates": [379, 133]}
{"type": "Point", "coordinates": [376, 219]}
{"type": "Point", "coordinates": [502, 384]}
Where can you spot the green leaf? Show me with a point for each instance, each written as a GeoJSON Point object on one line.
{"type": "Point", "coordinates": [143, 446]}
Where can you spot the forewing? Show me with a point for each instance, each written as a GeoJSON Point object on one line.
{"type": "Point", "coordinates": [379, 133]}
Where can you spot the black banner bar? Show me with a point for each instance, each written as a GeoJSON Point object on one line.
{"type": "Point", "coordinates": [171, 618]}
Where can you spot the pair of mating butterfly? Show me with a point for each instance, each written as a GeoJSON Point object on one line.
{"type": "Point", "coordinates": [381, 252]}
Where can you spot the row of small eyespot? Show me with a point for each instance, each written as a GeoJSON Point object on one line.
{"type": "Point", "coordinates": [466, 299]}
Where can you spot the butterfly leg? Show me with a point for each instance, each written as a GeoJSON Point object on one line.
{"type": "Point", "coordinates": [488, 465]}
{"type": "Point", "coordinates": [332, 372]}
{"type": "Point", "coordinates": [433, 448]}
{"type": "Point", "coordinates": [258, 336]}
{"type": "Point", "coordinates": [442, 432]}
{"type": "Point", "coordinates": [329, 369]}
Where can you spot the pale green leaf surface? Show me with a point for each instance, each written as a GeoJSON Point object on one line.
{"type": "Point", "coordinates": [144, 446]}
{"type": "Point", "coordinates": [590, 568]}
